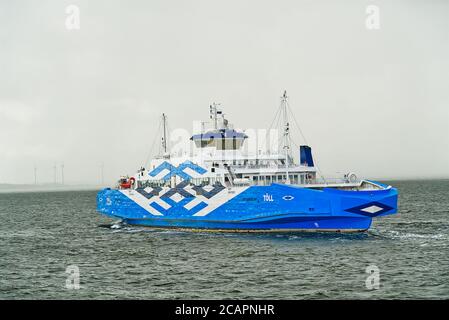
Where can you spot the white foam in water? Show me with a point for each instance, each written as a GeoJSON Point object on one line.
{"type": "Point", "coordinates": [398, 235]}
{"type": "Point", "coordinates": [424, 236]}
{"type": "Point", "coordinates": [117, 225]}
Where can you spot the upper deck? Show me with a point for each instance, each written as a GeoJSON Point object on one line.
{"type": "Point", "coordinates": [219, 156]}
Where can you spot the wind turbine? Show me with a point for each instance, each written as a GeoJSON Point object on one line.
{"type": "Point", "coordinates": [54, 173]}
{"type": "Point", "coordinates": [62, 173]}
{"type": "Point", "coordinates": [35, 174]}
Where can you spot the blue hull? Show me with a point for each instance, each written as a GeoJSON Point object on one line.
{"type": "Point", "coordinates": [273, 208]}
{"type": "Point", "coordinates": [288, 224]}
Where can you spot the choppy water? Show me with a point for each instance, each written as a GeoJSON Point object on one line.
{"type": "Point", "coordinates": [43, 233]}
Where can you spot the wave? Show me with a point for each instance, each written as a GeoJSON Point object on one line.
{"type": "Point", "coordinates": [393, 234]}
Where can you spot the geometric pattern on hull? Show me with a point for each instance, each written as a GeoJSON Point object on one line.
{"type": "Point", "coordinates": [178, 200]}
{"type": "Point", "coordinates": [370, 209]}
{"type": "Point", "coordinates": [177, 171]}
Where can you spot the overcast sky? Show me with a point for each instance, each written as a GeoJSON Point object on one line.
{"type": "Point", "coordinates": [373, 101]}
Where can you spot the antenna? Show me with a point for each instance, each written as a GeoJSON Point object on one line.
{"type": "Point", "coordinates": [62, 173]}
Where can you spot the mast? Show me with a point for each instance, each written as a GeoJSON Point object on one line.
{"type": "Point", "coordinates": [286, 135]}
{"type": "Point", "coordinates": [164, 138]}
{"type": "Point", "coordinates": [215, 117]}
{"type": "Point", "coordinates": [214, 112]}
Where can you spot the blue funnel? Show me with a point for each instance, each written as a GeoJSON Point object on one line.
{"type": "Point", "coordinates": [305, 156]}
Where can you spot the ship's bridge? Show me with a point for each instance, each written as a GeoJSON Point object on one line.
{"type": "Point", "coordinates": [221, 135]}
{"type": "Point", "coordinates": [221, 139]}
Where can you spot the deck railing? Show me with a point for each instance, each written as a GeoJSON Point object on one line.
{"type": "Point", "coordinates": [334, 180]}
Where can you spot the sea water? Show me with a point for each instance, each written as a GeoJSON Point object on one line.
{"type": "Point", "coordinates": [53, 245]}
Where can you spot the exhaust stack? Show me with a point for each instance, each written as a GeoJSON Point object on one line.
{"type": "Point", "coordinates": [305, 156]}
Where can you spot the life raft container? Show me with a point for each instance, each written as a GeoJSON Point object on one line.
{"type": "Point", "coordinates": [128, 183]}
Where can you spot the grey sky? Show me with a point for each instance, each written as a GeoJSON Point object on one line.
{"type": "Point", "coordinates": [372, 101]}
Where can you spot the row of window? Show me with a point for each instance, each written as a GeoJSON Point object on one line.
{"type": "Point", "coordinates": [302, 178]}
{"type": "Point", "coordinates": [253, 163]}
{"type": "Point", "coordinates": [220, 144]}
{"type": "Point", "coordinates": [295, 178]}
{"type": "Point", "coordinates": [167, 183]}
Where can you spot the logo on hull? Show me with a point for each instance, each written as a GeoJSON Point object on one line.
{"type": "Point", "coordinates": [371, 209]}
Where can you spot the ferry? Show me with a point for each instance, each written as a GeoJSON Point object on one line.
{"type": "Point", "coordinates": [222, 187]}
